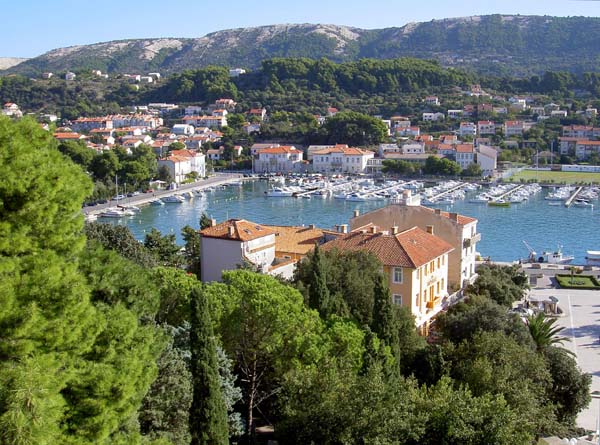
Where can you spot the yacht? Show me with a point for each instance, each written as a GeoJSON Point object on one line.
{"type": "Point", "coordinates": [278, 192]}
{"type": "Point", "coordinates": [174, 199]}
{"type": "Point", "coordinates": [116, 213]}
{"type": "Point", "coordinates": [592, 257]}
{"type": "Point", "coordinates": [580, 202]}
{"type": "Point", "coordinates": [357, 197]}
{"type": "Point", "coordinates": [157, 202]}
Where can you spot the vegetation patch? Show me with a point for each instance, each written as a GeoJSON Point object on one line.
{"type": "Point", "coordinates": [578, 282]}
{"type": "Point", "coordinates": [557, 177]}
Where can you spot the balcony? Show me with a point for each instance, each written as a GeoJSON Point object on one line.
{"type": "Point", "coordinates": [468, 242]}
{"type": "Point", "coordinates": [432, 304]}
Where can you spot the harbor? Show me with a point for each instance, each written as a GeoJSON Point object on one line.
{"type": "Point", "coordinates": [503, 229]}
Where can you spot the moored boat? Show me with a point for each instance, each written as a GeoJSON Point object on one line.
{"type": "Point", "coordinates": [173, 199]}
{"type": "Point", "coordinates": [592, 257]}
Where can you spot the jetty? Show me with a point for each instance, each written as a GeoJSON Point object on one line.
{"type": "Point", "coordinates": [509, 192]}
{"type": "Point", "coordinates": [445, 192]}
{"type": "Point", "coordinates": [145, 198]}
{"type": "Point", "coordinates": [569, 201]}
{"type": "Point", "coordinates": [332, 188]}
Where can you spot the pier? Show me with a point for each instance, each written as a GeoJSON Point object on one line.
{"type": "Point", "coordinates": [312, 190]}
{"type": "Point", "coordinates": [145, 198]}
{"type": "Point", "coordinates": [569, 201]}
{"type": "Point", "coordinates": [510, 192]}
{"type": "Point", "coordinates": [445, 192]}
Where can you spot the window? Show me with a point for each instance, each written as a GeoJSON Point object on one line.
{"type": "Point", "coordinates": [397, 275]}
{"type": "Point", "coordinates": [397, 299]}
{"type": "Point", "coordinates": [438, 263]}
{"type": "Point", "coordinates": [426, 269]}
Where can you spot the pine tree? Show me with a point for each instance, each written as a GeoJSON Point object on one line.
{"type": "Point", "coordinates": [385, 323]}
{"type": "Point", "coordinates": [208, 414]}
{"type": "Point", "coordinates": [318, 297]}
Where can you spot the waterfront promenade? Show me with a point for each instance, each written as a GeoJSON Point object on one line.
{"type": "Point", "coordinates": [145, 198]}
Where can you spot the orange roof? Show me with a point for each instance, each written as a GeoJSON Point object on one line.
{"type": "Point", "coordinates": [460, 219]}
{"type": "Point", "coordinates": [279, 150]}
{"type": "Point", "coordinates": [184, 153]}
{"type": "Point", "coordinates": [242, 230]}
{"type": "Point", "coordinates": [298, 240]}
{"type": "Point", "coordinates": [344, 149]}
{"type": "Point", "coordinates": [67, 135]}
{"type": "Point", "coordinates": [464, 148]}
{"type": "Point", "coordinates": [412, 248]}
{"type": "Point", "coordinates": [513, 123]}
{"type": "Point", "coordinates": [588, 143]}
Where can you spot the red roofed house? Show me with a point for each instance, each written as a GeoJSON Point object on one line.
{"type": "Point", "coordinates": [284, 159]}
{"type": "Point", "coordinates": [465, 155]}
{"type": "Point", "coordinates": [458, 230]}
{"type": "Point", "coordinates": [414, 260]}
{"type": "Point", "coordinates": [181, 163]}
{"type": "Point", "coordinates": [513, 128]}
{"type": "Point", "coordinates": [69, 136]}
{"type": "Point", "coordinates": [260, 113]}
{"type": "Point", "coordinates": [341, 159]}
{"type": "Point", "coordinates": [486, 127]}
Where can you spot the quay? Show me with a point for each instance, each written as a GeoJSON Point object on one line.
{"type": "Point", "coordinates": [510, 192]}
{"type": "Point", "coordinates": [145, 198]}
{"type": "Point", "coordinates": [569, 201]}
{"type": "Point", "coordinates": [445, 192]}
{"type": "Point", "coordinates": [312, 190]}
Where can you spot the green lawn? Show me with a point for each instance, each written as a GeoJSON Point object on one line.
{"type": "Point", "coordinates": [556, 177]}
{"type": "Point", "coordinates": [577, 282]}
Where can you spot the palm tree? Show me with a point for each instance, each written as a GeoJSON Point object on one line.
{"type": "Point", "coordinates": [543, 332]}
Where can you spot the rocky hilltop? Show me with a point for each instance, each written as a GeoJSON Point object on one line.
{"type": "Point", "coordinates": [493, 44]}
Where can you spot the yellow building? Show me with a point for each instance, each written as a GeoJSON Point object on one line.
{"type": "Point", "coordinates": [415, 262]}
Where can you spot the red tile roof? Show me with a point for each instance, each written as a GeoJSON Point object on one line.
{"type": "Point", "coordinates": [412, 248]}
{"type": "Point", "coordinates": [242, 230]}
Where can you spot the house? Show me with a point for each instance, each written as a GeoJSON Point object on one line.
{"type": "Point", "coordinates": [341, 159]}
{"type": "Point", "coordinates": [465, 155]}
{"type": "Point", "coordinates": [228, 104]}
{"type": "Point", "coordinates": [412, 131]}
{"type": "Point", "coordinates": [206, 121]}
{"type": "Point", "coordinates": [558, 113]}
{"type": "Point", "coordinates": [417, 158]}
{"type": "Point", "coordinates": [584, 149]}
{"type": "Point", "coordinates": [214, 154]}
{"type": "Point", "coordinates": [399, 122]}
{"type": "Point", "coordinates": [283, 159]}
{"type": "Point", "coordinates": [591, 112]}
{"type": "Point", "coordinates": [193, 110]}
{"type": "Point", "coordinates": [270, 249]}
{"type": "Point", "coordinates": [236, 72]}
{"type": "Point", "coordinates": [539, 111]}
{"type": "Point", "coordinates": [250, 128]}
{"type": "Point", "coordinates": [255, 148]}
{"type": "Point", "coordinates": [468, 110]}
{"type": "Point", "coordinates": [567, 144]}
{"type": "Point", "coordinates": [414, 260]}
{"type": "Point", "coordinates": [447, 151]}
{"type": "Point", "coordinates": [86, 124]}
{"type": "Point", "coordinates": [578, 131]}
{"type": "Point", "coordinates": [332, 111]}
{"type": "Point", "coordinates": [69, 136]}
{"type": "Point", "coordinates": [259, 113]}
{"type": "Point", "coordinates": [220, 112]}
{"type": "Point", "coordinates": [387, 148]}
{"type": "Point", "coordinates": [181, 163]}
{"type": "Point", "coordinates": [183, 129]}
{"type": "Point", "coordinates": [513, 128]}
{"type": "Point", "coordinates": [47, 75]}
{"type": "Point", "coordinates": [518, 103]}
{"type": "Point", "coordinates": [467, 129]}
{"type": "Point", "coordinates": [486, 127]}
{"type": "Point", "coordinates": [457, 230]}
{"type": "Point", "coordinates": [455, 114]}
{"type": "Point", "coordinates": [432, 100]}
{"type": "Point", "coordinates": [70, 76]}
{"type": "Point", "coordinates": [500, 110]}
{"type": "Point", "coordinates": [487, 158]}
{"type": "Point", "coordinates": [413, 148]}
{"type": "Point", "coordinates": [433, 117]}
{"type": "Point", "coordinates": [11, 109]}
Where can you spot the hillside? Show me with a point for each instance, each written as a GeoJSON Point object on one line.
{"type": "Point", "coordinates": [496, 44]}
{"type": "Point", "coordinates": [8, 62]}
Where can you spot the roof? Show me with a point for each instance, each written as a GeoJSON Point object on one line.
{"type": "Point", "coordinates": [294, 239]}
{"type": "Point", "coordinates": [280, 150]}
{"type": "Point", "coordinates": [71, 135]}
{"type": "Point", "coordinates": [464, 148]}
{"type": "Point", "coordinates": [460, 219]}
{"type": "Point", "coordinates": [242, 230]}
{"type": "Point", "coordinates": [344, 149]}
{"type": "Point", "coordinates": [412, 248]}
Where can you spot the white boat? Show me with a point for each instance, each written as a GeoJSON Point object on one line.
{"type": "Point", "coordinates": [157, 202]}
{"type": "Point", "coordinates": [278, 192]}
{"type": "Point", "coordinates": [555, 203]}
{"type": "Point", "coordinates": [480, 199]}
{"type": "Point", "coordinates": [549, 257]}
{"type": "Point", "coordinates": [444, 201]}
{"type": "Point", "coordinates": [579, 202]}
{"type": "Point", "coordinates": [322, 194]}
{"type": "Point", "coordinates": [173, 199]}
{"type": "Point", "coordinates": [592, 257]}
{"type": "Point", "coordinates": [356, 197]}
{"type": "Point", "coordinates": [116, 213]}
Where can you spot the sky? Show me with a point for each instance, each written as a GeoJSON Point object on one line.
{"type": "Point", "coordinates": [32, 27]}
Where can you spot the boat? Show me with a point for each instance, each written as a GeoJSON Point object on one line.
{"type": "Point", "coordinates": [116, 213]}
{"type": "Point", "coordinates": [592, 257]}
{"type": "Point", "coordinates": [498, 203]}
{"type": "Point", "coordinates": [157, 202]}
{"type": "Point", "coordinates": [444, 201]}
{"type": "Point", "coordinates": [278, 192]}
{"type": "Point", "coordinates": [549, 257]}
{"type": "Point", "coordinates": [322, 194]}
{"type": "Point", "coordinates": [554, 203]}
{"type": "Point", "coordinates": [480, 199]}
{"type": "Point", "coordinates": [173, 199]}
{"type": "Point", "coordinates": [579, 202]}
{"type": "Point", "coordinates": [356, 197]}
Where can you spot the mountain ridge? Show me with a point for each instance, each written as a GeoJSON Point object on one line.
{"type": "Point", "coordinates": [489, 43]}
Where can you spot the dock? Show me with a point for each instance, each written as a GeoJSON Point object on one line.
{"type": "Point", "coordinates": [311, 190]}
{"type": "Point", "coordinates": [569, 201]}
{"type": "Point", "coordinates": [145, 198]}
{"type": "Point", "coordinates": [445, 192]}
{"type": "Point", "coordinates": [510, 192]}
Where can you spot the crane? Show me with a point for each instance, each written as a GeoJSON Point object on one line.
{"type": "Point", "coordinates": [532, 252]}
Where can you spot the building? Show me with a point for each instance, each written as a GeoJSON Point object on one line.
{"type": "Point", "coordinates": [12, 110]}
{"type": "Point", "coordinates": [183, 129]}
{"type": "Point", "coordinates": [467, 129]}
{"type": "Point", "coordinates": [70, 76]}
{"type": "Point", "coordinates": [283, 159]}
{"type": "Point", "coordinates": [465, 155]}
{"type": "Point", "coordinates": [433, 117]}
{"type": "Point", "coordinates": [513, 128]}
{"type": "Point", "coordinates": [457, 230]}
{"type": "Point", "coordinates": [487, 158]}
{"type": "Point", "coordinates": [432, 100]}
{"type": "Point", "coordinates": [181, 163]}
{"type": "Point", "coordinates": [259, 113]}
{"type": "Point", "coordinates": [86, 124]}
{"type": "Point", "coordinates": [414, 260]}
{"type": "Point", "coordinates": [584, 149]}
{"type": "Point", "coordinates": [274, 250]}
{"type": "Point", "coordinates": [486, 127]}
{"type": "Point", "coordinates": [580, 131]}
{"type": "Point", "coordinates": [455, 114]}
{"type": "Point", "coordinates": [206, 121]}
{"type": "Point", "coordinates": [235, 72]}
{"type": "Point", "coordinates": [341, 159]}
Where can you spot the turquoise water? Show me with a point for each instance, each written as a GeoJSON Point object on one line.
{"type": "Point", "coordinates": [503, 229]}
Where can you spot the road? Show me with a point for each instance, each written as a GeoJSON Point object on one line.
{"type": "Point", "coordinates": [143, 198]}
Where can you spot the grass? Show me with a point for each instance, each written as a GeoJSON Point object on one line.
{"type": "Point", "coordinates": [556, 177]}
{"type": "Point", "coordinates": [577, 282]}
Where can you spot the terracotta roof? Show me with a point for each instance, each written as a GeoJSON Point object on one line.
{"type": "Point", "coordinates": [279, 150]}
{"type": "Point", "coordinates": [242, 230]}
{"type": "Point", "coordinates": [412, 248]}
{"type": "Point", "coordinates": [464, 148]}
{"type": "Point", "coordinates": [344, 149]}
{"type": "Point", "coordinates": [67, 135]}
{"type": "Point", "coordinates": [460, 219]}
{"type": "Point", "coordinates": [298, 240]}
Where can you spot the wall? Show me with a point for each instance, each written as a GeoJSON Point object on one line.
{"type": "Point", "coordinates": [218, 255]}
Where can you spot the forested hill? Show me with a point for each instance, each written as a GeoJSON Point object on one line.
{"type": "Point", "coordinates": [519, 45]}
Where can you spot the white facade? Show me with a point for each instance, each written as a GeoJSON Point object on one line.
{"type": "Point", "coordinates": [513, 128]}
{"type": "Point", "coordinates": [487, 159]}
{"type": "Point", "coordinates": [432, 117]}
{"type": "Point", "coordinates": [183, 129]}
{"type": "Point", "coordinates": [486, 127]}
{"type": "Point", "coordinates": [180, 163]}
{"type": "Point", "coordinates": [341, 159]}
{"type": "Point", "coordinates": [285, 159]}
{"type": "Point", "coordinates": [467, 129]}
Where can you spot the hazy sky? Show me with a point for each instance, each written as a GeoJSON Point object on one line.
{"type": "Point", "coordinates": [32, 27]}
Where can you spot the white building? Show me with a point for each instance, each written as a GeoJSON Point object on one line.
{"type": "Point", "coordinates": [235, 72]}
{"type": "Point", "coordinates": [181, 163]}
{"type": "Point", "coordinates": [486, 127]}
{"type": "Point", "coordinates": [487, 159]}
{"type": "Point", "coordinates": [206, 121]}
{"type": "Point", "coordinates": [183, 129]}
{"type": "Point", "coordinates": [70, 76]}
{"type": "Point", "coordinates": [341, 159]}
{"type": "Point", "coordinates": [467, 129]}
{"type": "Point", "coordinates": [513, 128]}
{"type": "Point", "coordinates": [455, 114]}
{"type": "Point", "coordinates": [284, 159]}
{"type": "Point", "coordinates": [433, 117]}
{"type": "Point", "coordinates": [432, 100]}
{"type": "Point", "coordinates": [465, 155]}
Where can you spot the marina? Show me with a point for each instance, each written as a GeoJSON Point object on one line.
{"type": "Point", "coordinates": [503, 228]}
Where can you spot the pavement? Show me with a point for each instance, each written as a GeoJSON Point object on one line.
{"type": "Point", "coordinates": [581, 321]}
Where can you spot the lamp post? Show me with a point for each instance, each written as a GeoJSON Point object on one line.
{"type": "Point", "coordinates": [596, 395]}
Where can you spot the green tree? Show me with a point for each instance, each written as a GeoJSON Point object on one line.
{"type": "Point", "coordinates": [192, 249]}
{"type": "Point", "coordinates": [543, 332]}
{"type": "Point", "coordinates": [208, 412]}
{"type": "Point", "coordinates": [473, 171]}
{"type": "Point", "coordinates": [354, 129]}
{"type": "Point", "coordinates": [503, 284]}
{"type": "Point", "coordinates": [164, 248]}
{"type": "Point", "coordinates": [318, 293]}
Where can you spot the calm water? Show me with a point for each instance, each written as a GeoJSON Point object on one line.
{"type": "Point", "coordinates": [503, 229]}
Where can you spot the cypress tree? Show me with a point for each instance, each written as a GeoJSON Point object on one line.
{"type": "Point", "coordinates": [208, 414]}
{"type": "Point", "coordinates": [385, 323]}
{"type": "Point", "coordinates": [319, 297]}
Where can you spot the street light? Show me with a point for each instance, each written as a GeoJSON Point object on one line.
{"type": "Point", "coordinates": [596, 395]}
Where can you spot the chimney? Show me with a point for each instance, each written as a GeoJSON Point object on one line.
{"type": "Point", "coordinates": [373, 229]}
{"type": "Point", "coordinates": [454, 216]}
{"type": "Point", "coordinates": [311, 226]}
{"type": "Point", "coordinates": [231, 231]}
{"type": "Point", "coordinates": [438, 211]}
{"type": "Point", "coordinates": [344, 228]}
{"type": "Point", "coordinates": [430, 229]}
{"type": "Point", "coordinates": [394, 230]}
{"type": "Point", "coordinates": [356, 213]}
{"type": "Point", "coordinates": [213, 222]}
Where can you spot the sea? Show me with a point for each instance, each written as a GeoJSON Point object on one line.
{"type": "Point", "coordinates": [503, 229]}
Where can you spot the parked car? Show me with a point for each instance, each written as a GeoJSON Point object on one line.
{"type": "Point", "coordinates": [101, 201]}
{"type": "Point", "coordinates": [116, 197]}
{"type": "Point", "coordinates": [149, 191]}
